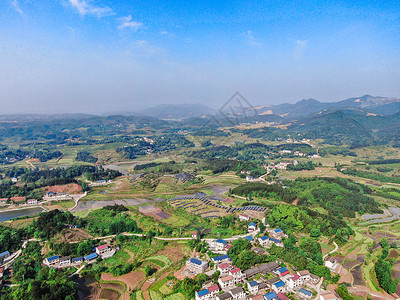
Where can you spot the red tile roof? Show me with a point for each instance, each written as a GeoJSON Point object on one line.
{"type": "Point", "coordinates": [285, 273]}
{"type": "Point", "coordinates": [235, 270]}
{"type": "Point", "coordinates": [295, 276]}
{"type": "Point", "coordinates": [224, 266]}
{"type": "Point", "coordinates": [213, 288]}
{"type": "Point", "coordinates": [283, 296]}
{"type": "Point", "coordinates": [226, 278]}
{"type": "Point", "coordinates": [105, 246]}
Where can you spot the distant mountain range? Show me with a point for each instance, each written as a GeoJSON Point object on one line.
{"type": "Point", "coordinates": [177, 111]}
{"type": "Point", "coordinates": [307, 107]}
{"type": "Point", "coordinates": [274, 113]}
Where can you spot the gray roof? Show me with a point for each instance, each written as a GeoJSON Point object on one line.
{"type": "Point", "coordinates": [236, 290]}
{"type": "Point", "coordinates": [259, 250]}
{"type": "Point", "coordinates": [263, 268]}
{"type": "Point", "coordinates": [65, 258]}
{"type": "Point", "coordinates": [224, 296]}
{"type": "Point", "coordinates": [272, 280]}
{"type": "Point", "coordinates": [262, 285]}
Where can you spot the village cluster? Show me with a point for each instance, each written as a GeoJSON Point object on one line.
{"type": "Point", "coordinates": [269, 281]}
{"type": "Point", "coordinates": [102, 251]}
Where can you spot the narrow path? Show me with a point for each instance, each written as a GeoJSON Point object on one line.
{"type": "Point", "coordinates": [334, 250]}
{"type": "Point", "coordinates": [78, 271]}
{"type": "Point", "coordinates": [77, 200]}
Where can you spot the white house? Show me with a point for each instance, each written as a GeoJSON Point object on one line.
{"type": "Point", "coordinates": [243, 217]}
{"type": "Point", "coordinates": [219, 244]}
{"type": "Point", "coordinates": [294, 282]}
{"type": "Point", "coordinates": [305, 275]}
{"type": "Point", "coordinates": [226, 281]}
{"type": "Point", "coordinates": [196, 266]}
{"type": "Point", "coordinates": [32, 201]}
{"type": "Point", "coordinates": [279, 287]}
{"type": "Point", "coordinates": [224, 268]}
{"type": "Point", "coordinates": [331, 263]}
{"type": "Point", "coordinates": [252, 286]}
{"type": "Point", "coordinates": [203, 294]}
{"type": "Point", "coordinates": [238, 293]}
{"type": "Point", "coordinates": [237, 275]}
{"type": "Point", "coordinates": [252, 226]}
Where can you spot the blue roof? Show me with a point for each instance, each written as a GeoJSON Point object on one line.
{"type": "Point", "coordinates": [91, 256]}
{"type": "Point", "coordinates": [51, 258]}
{"type": "Point", "coordinates": [4, 253]}
{"type": "Point", "coordinates": [250, 238]}
{"type": "Point", "coordinates": [282, 270]}
{"type": "Point", "coordinates": [275, 240]}
{"type": "Point", "coordinates": [222, 241]}
{"type": "Point", "coordinates": [221, 257]}
{"type": "Point", "coordinates": [252, 224]}
{"type": "Point", "coordinates": [271, 296]}
{"type": "Point", "coordinates": [265, 238]}
{"type": "Point", "coordinates": [279, 284]}
{"type": "Point", "coordinates": [253, 283]}
{"type": "Point", "coordinates": [305, 292]}
{"type": "Point", "coordinates": [77, 259]}
{"type": "Point", "coordinates": [196, 261]}
{"type": "Point", "coordinates": [278, 230]}
{"type": "Point", "coordinates": [202, 292]}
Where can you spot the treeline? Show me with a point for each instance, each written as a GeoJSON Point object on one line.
{"type": "Point", "coordinates": [33, 180]}
{"type": "Point", "coordinates": [9, 156]}
{"type": "Point", "coordinates": [111, 220]}
{"type": "Point", "coordinates": [337, 151]}
{"type": "Point", "coordinates": [339, 196]}
{"type": "Point", "coordinates": [31, 191]}
{"type": "Point", "coordinates": [50, 223]}
{"type": "Point", "coordinates": [307, 165]}
{"type": "Point", "coordinates": [383, 267]}
{"type": "Point", "coordinates": [10, 238]}
{"type": "Point", "coordinates": [85, 157]}
{"type": "Point", "coordinates": [384, 161]}
{"type": "Point", "coordinates": [36, 282]}
{"type": "Point", "coordinates": [371, 175]}
{"type": "Point", "coordinates": [154, 144]}
{"type": "Point", "coordinates": [251, 152]}
{"type": "Point", "coordinates": [67, 175]}
{"type": "Point", "coordinates": [243, 258]}
{"type": "Point", "coordinates": [301, 219]}
{"type": "Point", "coordinates": [262, 190]}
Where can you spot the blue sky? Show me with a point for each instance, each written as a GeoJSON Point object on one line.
{"type": "Point", "coordinates": [102, 56]}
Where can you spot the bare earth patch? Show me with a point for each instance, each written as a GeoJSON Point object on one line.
{"type": "Point", "coordinates": [71, 188]}
{"type": "Point", "coordinates": [109, 294]}
{"type": "Point", "coordinates": [131, 279]}
{"type": "Point", "coordinates": [345, 276]}
{"type": "Point", "coordinates": [154, 212]}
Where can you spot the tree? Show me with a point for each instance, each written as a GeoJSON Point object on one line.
{"type": "Point", "coordinates": [147, 270]}
{"type": "Point", "coordinates": [262, 227]}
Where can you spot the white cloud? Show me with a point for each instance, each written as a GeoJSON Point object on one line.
{"type": "Point", "coordinates": [126, 22]}
{"type": "Point", "coordinates": [85, 8]}
{"type": "Point", "coordinates": [250, 39]}
{"type": "Point", "coordinates": [301, 46]}
{"type": "Point", "coordinates": [15, 5]}
{"type": "Point", "coordinates": [166, 33]}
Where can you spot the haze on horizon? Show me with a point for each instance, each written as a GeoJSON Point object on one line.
{"type": "Point", "coordinates": [99, 56]}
